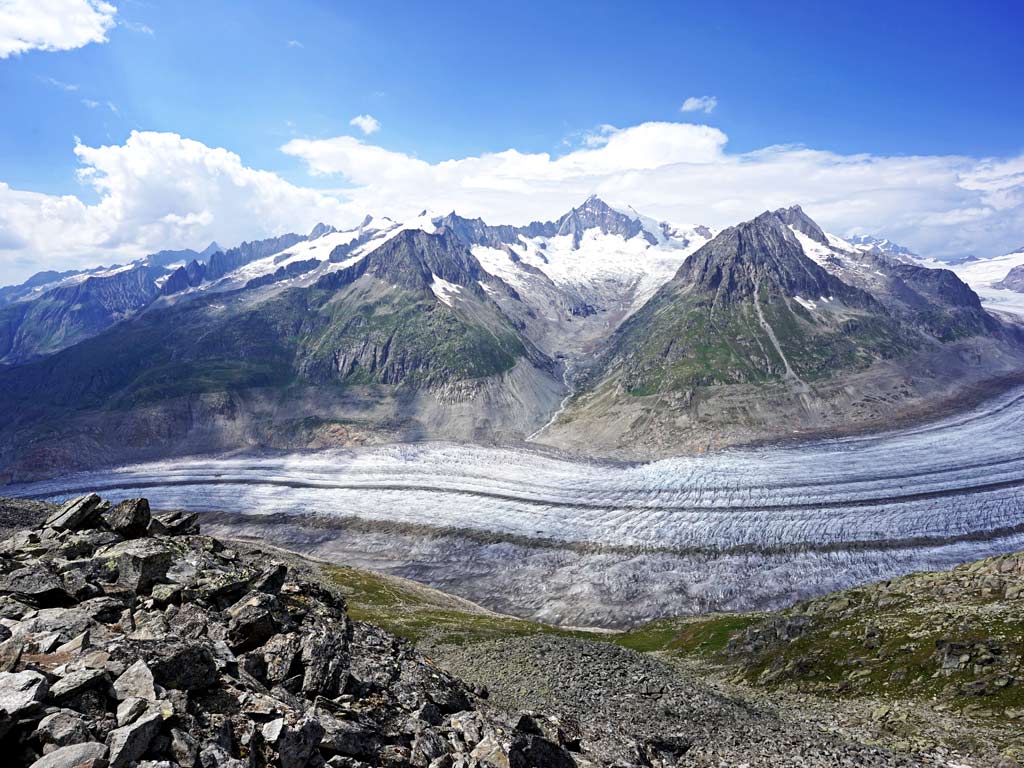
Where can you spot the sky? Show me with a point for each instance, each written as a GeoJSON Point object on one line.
{"type": "Point", "coordinates": [138, 125]}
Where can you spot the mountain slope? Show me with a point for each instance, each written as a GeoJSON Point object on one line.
{"type": "Point", "coordinates": [73, 311]}
{"type": "Point", "coordinates": [404, 342]}
{"type": "Point", "coordinates": [772, 328]}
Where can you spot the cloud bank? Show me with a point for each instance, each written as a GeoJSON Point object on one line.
{"type": "Point", "coordinates": [52, 25]}
{"type": "Point", "coordinates": [159, 190]}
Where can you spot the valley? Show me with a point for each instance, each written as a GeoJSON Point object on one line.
{"type": "Point", "coordinates": [598, 543]}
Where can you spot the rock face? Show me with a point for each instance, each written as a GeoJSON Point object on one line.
{"type": "Point", "coordinates": [129, 639]}
{"type": "Point", "coordinates": [1014, 280]}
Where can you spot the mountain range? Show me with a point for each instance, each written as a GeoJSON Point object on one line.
{"type": "Point", "coordinates": [603, 332]}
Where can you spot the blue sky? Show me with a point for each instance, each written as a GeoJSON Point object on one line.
{"type": "Point", "coordinates": [461, 80]}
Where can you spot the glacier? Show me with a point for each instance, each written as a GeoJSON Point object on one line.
{"type": "Point", "coordinates": [597, 543]}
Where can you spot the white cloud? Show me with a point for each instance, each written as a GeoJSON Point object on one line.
{"type": "Point", "coordinates": [52, 25]}
{"type": "Point", "coordinates": [59, 84]}
{"type": "Point", "coordinates": [944, 206]}
{"type": "Point", "coordinates": [366, 123]}
{"type": "Point", "coordinates": [90, 103]}
{"type": "Point", "coordinates": [160, 190]}
{"type": "Point", "coordinates": [705, 104]}
{"type": "Point", "coordinates": [157, 190]}
{"type": "Point", "coordinates": [295, 44]}
{"type": "Point", "coordinates": [136, 26]}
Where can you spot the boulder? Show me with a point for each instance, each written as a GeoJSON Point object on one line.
{"type": "Point", "coordinates": [427, 746]}
{"type": "Point", "coordinates": [185, 666]}
{"type": "Point", "coordinates": [130, 742]}
{"type": "Point", "coordinates": [130, 710]}
{"type": "Point", "coordinates": [77, 682]}
{"type": "Point", "coordinates": [135, 682]}
{"type": "Point", "coordinates": [89, 753]}
{"type": "Point", "coordinates": [75, 514]}
{"type": "Point", "coordinates": [270, 579]}
{"type": "Point", "coordinates": [174, 524]}
{"type": "Point", "coordinates": [130, 518]}
{"type": "Point", "coordinates": [140, 563]}
{"type": "Point", "coordinates": [37, 585]}
{"type": "Point", "coordinates": [530, 751]}
{"type": "Point", "coordinates": [22, 692]}
{"type": "Point", "coordinates": [61, 729]}
{"type": "Point", "coordinates": [296, 744]}
{"type": "Point", "coordinates": [253, 621]}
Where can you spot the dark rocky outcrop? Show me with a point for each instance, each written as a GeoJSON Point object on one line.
{"type": "Point", "coordinates": [174, 650]}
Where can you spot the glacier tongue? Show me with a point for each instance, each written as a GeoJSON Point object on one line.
{"type": "Point", "coordinates": [737, 529]}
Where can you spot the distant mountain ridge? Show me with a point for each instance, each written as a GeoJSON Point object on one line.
{"type": "Point", "coordinates": [603, 331]}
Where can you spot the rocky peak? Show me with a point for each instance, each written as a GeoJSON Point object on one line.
{"type": "Point", "coordinates": [595, 213]}
{"type": "Point", "coordinates": [209, 250]}
{"type": "Point", "coordinates": [761, 255]}
{"type": "Point", "coordinates": [411, 259]}
{"type": "Point", "coordinates": [320, 230]}
{"type": "Point", "coordinates": [795, 217]}
{"type": "Point", "coordinates": [477, 231]}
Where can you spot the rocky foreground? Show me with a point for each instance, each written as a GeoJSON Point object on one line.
{"type": "Point", "coordinates": [131, 640]}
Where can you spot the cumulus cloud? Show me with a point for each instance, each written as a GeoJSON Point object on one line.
{"type": "Point", "coordinates": [160, 190]}
{"type": "Point", "coordinates": [295, 44]}
{"type": "Point", "coordinates": [52, 25]}
{"type": "Point", "coordinates": [945, 206]}
{"type": "Point", "coordinates": [156, 191]}
{"type": "Point", "coordinates": [705, 104]}
{"type": "Point", "coordinates": [366, 123]}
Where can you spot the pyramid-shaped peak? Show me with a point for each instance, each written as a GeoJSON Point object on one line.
{"type": "Point", "coordinates": [794, 217]}
{"type": "Point", "coordinates": [595, 213]}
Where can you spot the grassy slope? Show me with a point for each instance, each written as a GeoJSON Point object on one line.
{"type": "Point", "coordinates": [950, 642]}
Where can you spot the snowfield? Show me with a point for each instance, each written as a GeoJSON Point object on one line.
{"type": "Point", "coordinates": [599, 543]}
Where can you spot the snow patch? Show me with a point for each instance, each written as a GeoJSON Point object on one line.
{"type": "Point", "coordinates": [444, 290]}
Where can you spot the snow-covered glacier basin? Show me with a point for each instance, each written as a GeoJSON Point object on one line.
{"type": "Point", "coordinates": [596, 542]}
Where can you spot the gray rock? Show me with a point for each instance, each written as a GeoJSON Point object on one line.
{"type": "Point", "coordinates": [89, 753]}
{"type": "Point", "coordinates": [130, 518]}
{"type": "Point", "coordinates": [135, 682]}
{"type": "Point", "coordinates": [296, 744]}
{"type": "Point", "coordinates": [174, 524]}
{"type": "Point", "coordinates": [76, 644]}
{"type": "Point", "coordinates": [347, 738]}
{"type": "Point", "coordinates": [186, 666]}
{"type": "Point", "coordinates": [35, 584]}
{"type": "Point", "coordinates": [252, 621]}
{"type": "Point", "coordinates": [77, 682]}
{"type": "Point", "coordinates": [61, 729]}
{"type": "Point", "coordinates": [530, 751]}
{"type": "Point", "coordinates": [271, 579]}
{"type": "Point", "coordinates": [130, 710]}
{"type": "Point", "coordinates": [75, 514]}
{"type": "Point", "coordinates": [21, 692]}
{"type": "Point", "coordinates": [130, 742]}
{"type": "Point", "coordinates": [184, 748]}
{"type": "Point", "coordinates": [427, 746]}
{"type": "Point", "coordinates": [141, 563]}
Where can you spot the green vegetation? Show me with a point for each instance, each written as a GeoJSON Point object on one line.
{"type": "Point", "coordinates": [419, 613]}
